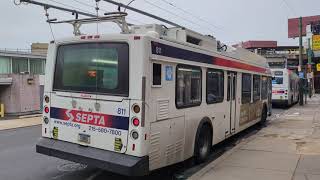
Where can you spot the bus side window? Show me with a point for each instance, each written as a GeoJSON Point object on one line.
{"type": "Point", "coordinates": [256, 88]}
{"type": "Point", "coordinates": [188, 86]}
{"type": "Point", "coordinates": [246, 88]}
{"type": "Point", "coordinates": [264, 88]}
{"type": "Point", "coordinates": [215, 86]}
{"type": "Point", "coordinates": [156, 78]}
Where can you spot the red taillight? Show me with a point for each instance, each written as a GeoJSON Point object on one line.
{"type": "Point", "coordinates": [133, 147]}
{"type": "Point", "coordinates": [135, 122]}
{"type": "Point", "coordinates": [46, 109]}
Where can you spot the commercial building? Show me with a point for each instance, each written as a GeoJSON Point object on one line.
{"type": "Point", "coordinates": [22, 79]}
{"type": "Point", "coordinates": [277, 56]}
{"type": "Point", "coordinates": [285, 57]}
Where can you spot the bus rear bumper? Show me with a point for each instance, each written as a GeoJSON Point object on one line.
{"type": "Point", "coordinates": [107, 160]}
{"type": "Point", "coordinates": [278, 101]}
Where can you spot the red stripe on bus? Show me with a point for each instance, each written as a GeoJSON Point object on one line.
{"type": "Point", "coordinates": [238, 65]}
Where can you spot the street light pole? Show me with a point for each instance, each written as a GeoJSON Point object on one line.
{"type": "Point", "coordinates": [310, 81]}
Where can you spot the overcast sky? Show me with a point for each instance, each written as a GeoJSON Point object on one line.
{"type": "Point", "coordinates": [230, 21]}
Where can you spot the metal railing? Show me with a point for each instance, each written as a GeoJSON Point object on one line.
{"type": "Point", "coordinates": [41, 53]}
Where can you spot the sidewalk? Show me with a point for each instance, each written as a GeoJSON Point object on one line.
{"type": "Point", "coordinates": [18, 123]}
{"type": "Point", "coordinates": [287, 149]}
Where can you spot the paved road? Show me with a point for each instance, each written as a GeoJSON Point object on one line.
{"type": "Point", "coordinates": [19, 161]}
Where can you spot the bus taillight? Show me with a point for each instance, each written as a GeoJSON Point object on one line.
{"type": "Point", "coordinates": [134, 134]}
{"type": "Point", "coordinates": [135, 121]}
{"type": "Point", "coordinates": [46, 99]}
{"type": "Point", "coordinates": [46, 120]}
{"type": "Point", "coordinates": [136, 108]}
{"type": "Point", "coordinates": [46, 109]}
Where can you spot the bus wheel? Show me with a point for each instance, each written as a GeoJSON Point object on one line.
{"type": "Point", "coordinates": [203, 144]}
{"type": "Point", "coordinates": [264, 115]}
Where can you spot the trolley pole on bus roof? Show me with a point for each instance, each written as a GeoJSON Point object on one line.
{"type": "Point", "coordinates": [144, 13]}
{"type": "Point", "coordinates": [45, 5]}
{"type": "Point", "coordinates": [301, 84]}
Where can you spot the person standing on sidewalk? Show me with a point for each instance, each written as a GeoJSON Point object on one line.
{"type": "Point", "coordinates": [301, 89]}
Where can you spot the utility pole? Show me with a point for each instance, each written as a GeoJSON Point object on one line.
{"type": "Point", "coordinates": [300, 63]}
{"type": "Point", "coordinates": [310, 81]}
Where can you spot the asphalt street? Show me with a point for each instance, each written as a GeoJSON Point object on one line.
{"type": "Point", "coordinates": [19, 161]}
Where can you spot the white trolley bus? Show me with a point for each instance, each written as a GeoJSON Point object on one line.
{"type": "Point", "coordinates": [148, 98]}
{"type": "Point", "coordinates": [285, 87]}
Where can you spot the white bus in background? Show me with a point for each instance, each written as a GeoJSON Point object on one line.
{"type": "Point", "coordinates": [138, 101]}
{"type": "Point", "coordinates": [285, 87]}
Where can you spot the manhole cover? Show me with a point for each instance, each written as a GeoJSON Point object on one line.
{"type": "Point", "coordinates": [68, 167]}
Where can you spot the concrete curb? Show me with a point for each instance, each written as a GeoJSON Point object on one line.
{"type": "Point", "coordinates": [30, 116]}
{"type": "Point", "coordinates": [212, 165]}
{"type": "Point", "coordinates": [20, 123]}
{"type": "Point", "coordinates": [14, 128]}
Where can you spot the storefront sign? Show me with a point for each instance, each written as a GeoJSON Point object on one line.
{"type": "Point", "coordinates": [318, 67]}
{"type": "Point", "coordinates": [316, 42]}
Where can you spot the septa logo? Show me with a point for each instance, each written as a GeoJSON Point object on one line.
{"type": "Point", "coordinates": [88, 118]}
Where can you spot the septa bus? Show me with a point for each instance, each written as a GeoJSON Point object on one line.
{"type": "Point", "coordinates": [138, 101]}
{"type": "Point", "coordinates": [285, 87]}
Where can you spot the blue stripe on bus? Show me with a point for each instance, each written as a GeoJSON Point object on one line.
{"type": "Point", "coordinates": [178, 53]}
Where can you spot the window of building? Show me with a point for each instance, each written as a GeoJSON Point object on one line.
{"type": "Point", "coordinates": [37, 66]}
{"type": "Point", "coordinates": [215, 86]}
{"type": "Point", "coordinates": [19, 65]}
{"type": "Point", "coordinates": [156, 80]}
{"type": "Point", "coordinates": [246, 88]}
{"type": "Point", "coordinates": [188, 86]}
{"type": "Point", "coordinates": [264, 87]}
{"type": "Point", "coordinates": [256, 88]}
{"type": "Point", "coordinates": [5, 65]}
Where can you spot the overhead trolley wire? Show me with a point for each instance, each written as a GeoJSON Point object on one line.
{"type": "Point", "coordinates": [143, 13]}
{"type": "Point", "coordinates": [92, 6]}
{"type": "Point", "coordinates": [289, 7]}
{"type": "Point", "coordinates": [85, 4]}
{"type": "Point", "coordinates": [57, 2]}
{"type": "Point", "coordinates": [191, 14]}
{"type": "Point", "coordinates": [180, 17]}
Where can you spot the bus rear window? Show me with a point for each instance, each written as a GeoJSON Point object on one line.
{"type": "Point", "coordinates": [93, 68]}
{"type": "Point", "coordinates": [277, 80]}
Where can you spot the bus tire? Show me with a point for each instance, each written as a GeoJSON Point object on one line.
{"type": "Point", "coordinates": [264, 115]}
{"type": "Point", "coordinates": [203, 142]}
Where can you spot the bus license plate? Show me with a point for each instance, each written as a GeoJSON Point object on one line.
{"type": "Point", "coordinates": [84, 138]}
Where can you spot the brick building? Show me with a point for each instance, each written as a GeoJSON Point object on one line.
{"type": "Point", "coordinates": [21, 79]}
